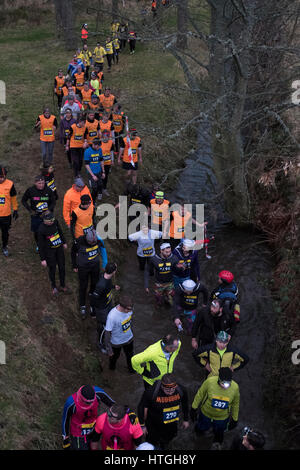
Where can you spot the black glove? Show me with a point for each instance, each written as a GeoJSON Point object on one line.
{"type": "Point", "coordinates": [232, 424]}
{"type": "Point", "coordinates": [193, 414]}
{"type": "Point", "coordinates": [146, 373]}
{"type": "Point", "coordinates": [15, 215]}
{"type": "Point", "coordinates": [66, 444]}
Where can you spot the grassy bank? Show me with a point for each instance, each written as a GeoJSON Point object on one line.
{"type": "Point", "coordinates": [50, 353]}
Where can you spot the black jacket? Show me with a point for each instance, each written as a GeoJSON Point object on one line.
{"type": "Point", "coordinates": [206, 326]}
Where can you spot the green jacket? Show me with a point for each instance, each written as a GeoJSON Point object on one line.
{"type": "Point", "coordinates": [155, 362]}
{"type": "Point", "coordinates": [216, 402]}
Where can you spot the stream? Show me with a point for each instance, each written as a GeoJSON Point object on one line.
{"type": "Point", "coordinates": [247, 256]}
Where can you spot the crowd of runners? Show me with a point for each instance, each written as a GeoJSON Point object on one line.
{"type": "Point", "coordinates": [93, 128]}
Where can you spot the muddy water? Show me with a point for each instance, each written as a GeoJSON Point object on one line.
{"type": "Point", "coordinates": [246, 255]}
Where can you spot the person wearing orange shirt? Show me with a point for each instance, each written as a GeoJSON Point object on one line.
{"type": "Point", "coordinates": [79, 80]}
{"type": "Point", "coordinates": [130, 163]}
{"type": "Point", "coordinates": [47, 123]}
{"type": "Point", "coordinates": [8, 202]}
{"type": "Point", "coordinates": [59, 82]}
{"type": "Point", "coordinates": [118, 120]}
{"type": "Point", "coordinates": [77, 143]}
{"type": "Point", "coordinates": [107, 148]}
{"type": "Point", "coordinates": [159, 211]}
{"type": "Point", "coordinates": [86, 94]}
{"type": "Point", "coordinates": [177, 227]}
{"type": "Point", "coordinates": [106, 124]}
{"type": "Point", "coordinates": [107, 100]}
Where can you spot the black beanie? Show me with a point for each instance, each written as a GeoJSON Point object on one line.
{"type": "Point", "coordinates": [88, 392]}
{"type": "Point", "coordinates": [225, 373]}
{"type": "Point", "coordinates": [85, 199]}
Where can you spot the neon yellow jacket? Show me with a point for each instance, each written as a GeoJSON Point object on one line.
{"type": "Point", "coordinates": [156, 364]}
{"type": "Point", "coordinates": [216, 402]}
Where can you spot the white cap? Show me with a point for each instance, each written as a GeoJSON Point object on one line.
{"type": "Point", "coordinates": [188, 243]}
{"type": "Point", "coordinates": [189, 284]}
{"type": "Point", "coordinates": [145, 446]}
{"type": "Point", "coordinates": [163, 246]}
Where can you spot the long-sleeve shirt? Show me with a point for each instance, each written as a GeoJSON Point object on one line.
{"type": "Point", "coordinates": [190, 262]}
{"type": "Point", "coordinates": [190, 300]}
{"type": "Point", "coordinates": [64, 129]}
{"type": "Point", "coordinates": [39, 199]}
{"type": "Point", "coordinates": [50, 237]}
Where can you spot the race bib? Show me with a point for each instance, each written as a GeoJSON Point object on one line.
{"type": "Point", "coordinates": [48, 131]}
{"type": "Point", "coordinates": [86, 229]}
{"type": "Point", "coordinates": [171, 414]}
{"type": "Point", "coordinates": [78, 137]}
{"type": "Point", "coordinates": [148, 251]}
{"type": "Point", "coordinates": [55, 240]}
{"type": "Point", "coordinates": [51, 185]}
{"type": "Point", "coordinates": [126, 325]}
{"type": "Point", "coordinates": [41, 206]}
{"type": "Point", "coordinates": [2, 200]}
{"type": "Point", "coordinates": [92, 133]}
{"type": "Point", "coordinates": [92, 252]}
{"type": "Point", "coordinates": [87, 428]}
{"type": "Point", "coordinates": [221, 403]}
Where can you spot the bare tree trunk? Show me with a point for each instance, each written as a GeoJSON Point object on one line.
{"type": "Point", "coordinates": [182, 6]}
{"type": "Point", "coordinates": [65, 21]}
{"type": "Point", "coordinates": [115, 9]}
{"type": "Point", "coordinates": [231, 29]}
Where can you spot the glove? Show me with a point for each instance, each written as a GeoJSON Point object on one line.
{"type": "Point", "coordinates": [193, 414]}
{"type": "Point", "coordinates": [15, 215]}
{"type": "Point", "coordinates": [66, 444]}
{"type": "Point", "coordinates": [147, 373]}
{"type": "Point", "coordinates": [232, 424]}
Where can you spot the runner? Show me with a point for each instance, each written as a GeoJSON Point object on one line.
{"type": "Point", "coordinates": [119, 429]}
{"type": "Point", "coordinates": [87, 94]}
{"type": "Point", "coordinates": [157, 360]}
{"type": "Point", "coordinates": [96, 106]}
{"type": "Point", "coordinates": [72, 199]}
{"type": "Point", "coordinates": [82, 220]}
{"type": "Point", "coordinates": [132, 40]}
{"type": "Point", "coordinates": [227, 291]}
{"type": "Point", "coordinates": [94, 165]}
{"type": "Point", "coordinates": [188, 265]}
{"type": "Point", "coordinates": [107, 148]}
{"type": "Point", "coordinates": [73, 105]}
{"type": "Point", "coordinates": [41, 198]}
{"type": "Point", "coordinates": [130, 162]}
{"type": "Point", "coordinates": [186, 302]}
{"type": "Point", "coordinates": [99, 53]}
{"type": "Point", "coordinates": [123, 30]}
{"type": "Point", "coordinates": [116, 44]}
{"type": "Point", "coordinates": [88, 262]}
{"type": "Point", "coordinates": [163, 265]}
{"type": "Point", "coordinates": [118, 332]}
{"type": "Point", "coordinates": [74, 64]}
{"type": "Point", "coordinates": [219, 400]}
{"type": "Point", "coordinates": [176, 229]}
{"type": "Point", "coordinates": [77, 143]}
{"type": "Point", "coordinates": [145, 241]}
{"type": "Point", "coordinates": [159, 409]}
{"type": "Point", "coordinates": [87, 58]}
{"type": "Point", "coordinates": [52, 243]}
{"type": "Point", "coordinates": [64, 132]}
{"type": "Point", "coordinates": [47, 171]}
{"type": "Point", "coordinates": [107, 100]}
{"type": "Point", "coordinates": [101, 298]}
{"type": "Point", "coordinates": [106, 125]}
{"type": "Point", "coordinates": [218, 354]}
{"type": "Point", "coordinates": [209, 321]}
{"type": "Point", "coordinates": [8, 203]}
{"type": "Point", "coordinates": [159, 211]}
{"type": "Point", "coordinates": [59, 82]}
{"type": "Point", "coordinates": [109, 49]}
{"type": "Point", "coordinates": [95, 83]}
{"type": "Point", "coordinates": [80, 414]}
{"type": "Point", "coordinates": [118, 120]}
{"type": "Point", "coordinates": [79, 80]}
{"type": "Point", "coordinates": [47, 123]}
{"type": "Point", "coordinates": [91, 127]}
{"type": "Point", "coordinates": [84, 33]}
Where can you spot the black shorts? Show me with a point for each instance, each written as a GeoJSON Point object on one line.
{"type": "Point", "coordinates": [127, 166]}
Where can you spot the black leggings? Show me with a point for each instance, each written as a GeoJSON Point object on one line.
{"type": "Point", "coordinates": [107, 171]}
{"type": "Point", "coordinates": [109, 58]}
{"type": "Point", "coordinates": [76, 157]}
{"type": "Point", "coordinates": [128, 350]}
{"type": "Point", "coordinates": [132, 45]}
{"type": "Point", "coordinates": [57, 259]}
{"type": "Point", "coordinates": [5, 223]}
{"type": "Point", "coordinates": [84, 274]}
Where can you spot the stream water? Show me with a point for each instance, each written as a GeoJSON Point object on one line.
{"type": "Point", "coordinates": [246, 255]}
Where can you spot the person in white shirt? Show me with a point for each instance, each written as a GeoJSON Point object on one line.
{"type": "Point", "coordinates": [145, 239]}
{"type": "Point", "coordinates": [118, 332]}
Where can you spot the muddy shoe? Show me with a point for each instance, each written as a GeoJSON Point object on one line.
{"type": "Point", "coordinates": [55, 292]}
{"type": "Point", "coordinates": [65, 290]}
{"type": "Point", "coordinates": [83, 312]}
{"type": "Point", "coordinates": [5, 251]}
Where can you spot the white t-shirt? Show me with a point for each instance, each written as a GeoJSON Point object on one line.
{"type": "Point", "coordinates": [119, 324]}
{"type": "Point", "coordinates": [145, 242]}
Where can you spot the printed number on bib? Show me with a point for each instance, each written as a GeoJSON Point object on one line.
{"type": "Point", "coordinates": [2, 200]}
{"type": "Point", "coordinates": [171, 414]}
{"type": "Point", "coordinates": [55, 240]}
{"type": "Point", "coordinates": [87, 428]}
{"type": "Point", "coordinates": [221, 403]}
{"type": "Point", "coordinates": [148, 251]}
{"type": "Point", "coordinates": [47, 131]}
{"type": "Point", "coordinates": [126, 325]}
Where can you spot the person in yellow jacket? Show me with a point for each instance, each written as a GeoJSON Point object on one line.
{"type": "Point", "coordinates": [109, 49]}
{"type": "Point", "coordinates": [157, 360]}
{"type": "Point", "coordinates": [87, 57]}
{"type": "Point", "coordinates": [219, 402]}
{"type": "Point", "coordinates": [8, 202]}
{"type": "Point", "coordinates": [99, 53]}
